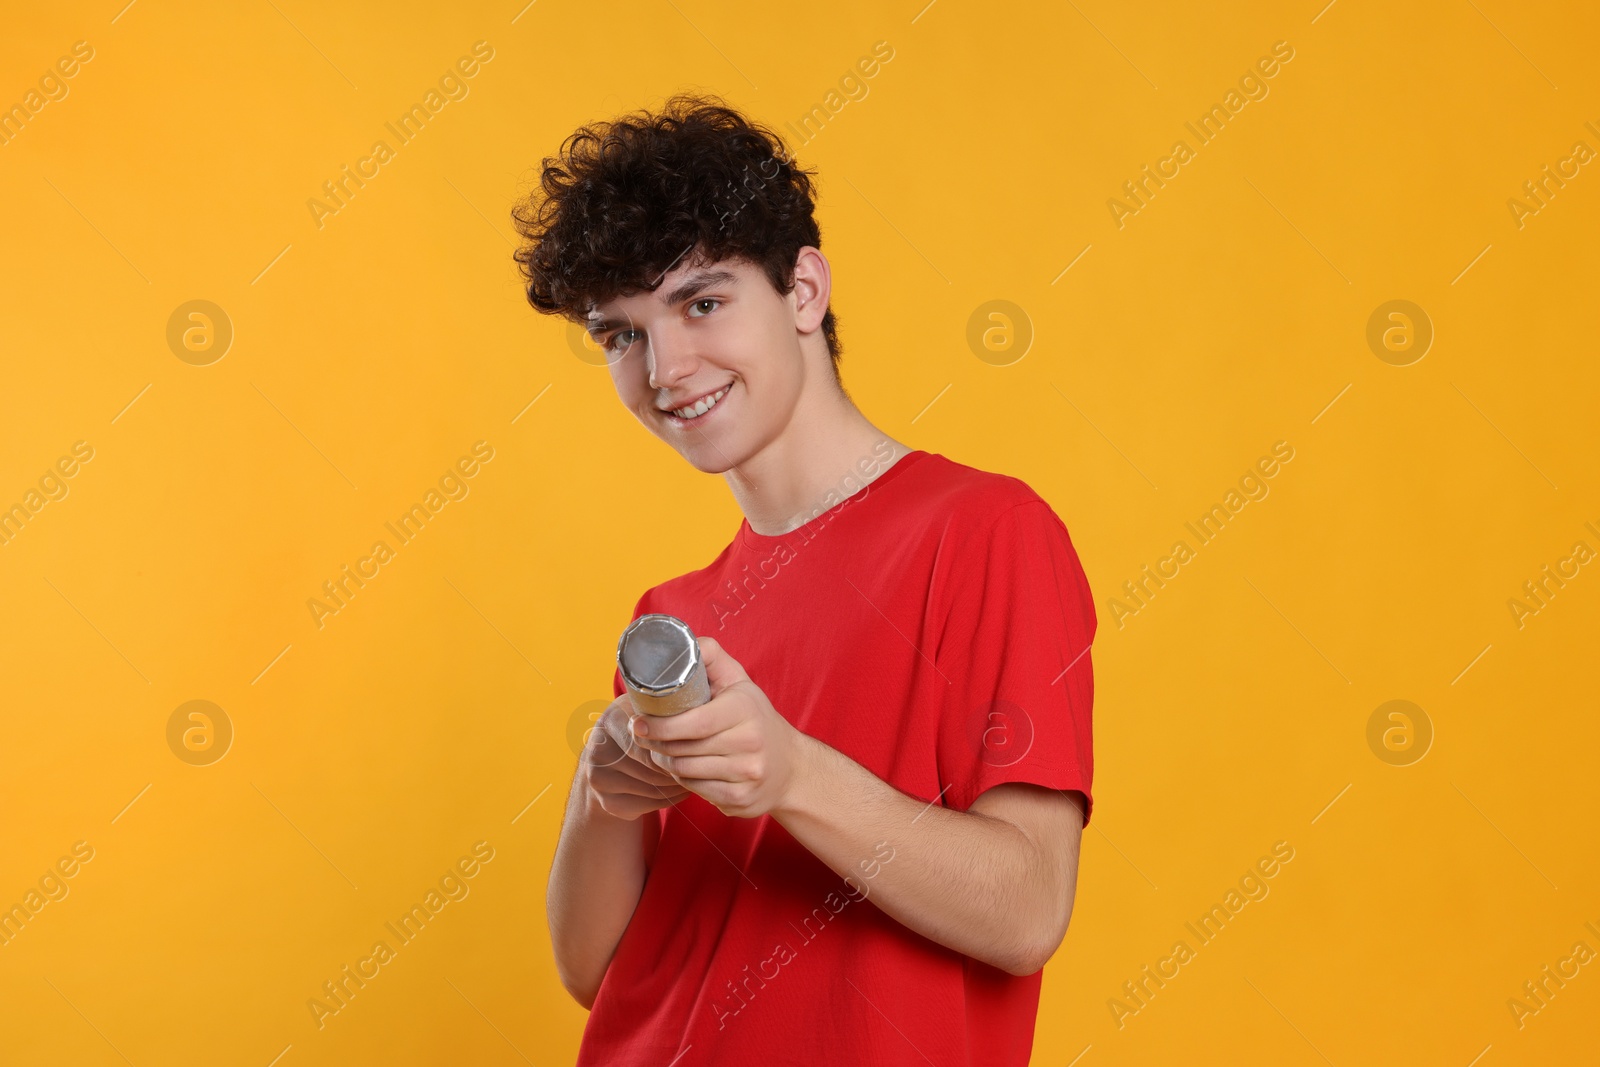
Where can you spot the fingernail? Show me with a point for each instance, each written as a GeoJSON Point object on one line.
{"type": "Point", "coordinates": [640, 729]}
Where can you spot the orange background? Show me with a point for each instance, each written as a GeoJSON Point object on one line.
{"type": "Point", "coordinates": [433, 711]}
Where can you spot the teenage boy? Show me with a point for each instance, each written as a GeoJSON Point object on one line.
{"type": "Point", "coordinates": [864, 848]}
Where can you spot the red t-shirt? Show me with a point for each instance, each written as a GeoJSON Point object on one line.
{"type": "Point", "coordinates": [934, 627]}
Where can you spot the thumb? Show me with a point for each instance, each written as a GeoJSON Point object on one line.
{"type": "Point", "coordinates": [722, 670]}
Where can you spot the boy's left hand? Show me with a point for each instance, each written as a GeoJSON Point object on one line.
{"type": "Point", "coordinates": [735, 750]}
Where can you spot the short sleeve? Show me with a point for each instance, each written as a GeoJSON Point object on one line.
{"type": "Point", "coordinates": [1013, 647]}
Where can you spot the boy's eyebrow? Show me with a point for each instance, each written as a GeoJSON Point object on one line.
{"type": "Point", "coordinates": [691, 285]}
{"type": "Point", "coordinates": [697, 281]}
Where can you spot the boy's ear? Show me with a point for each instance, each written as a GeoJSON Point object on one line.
{"type": "Point", "coordinates": [812, 288]}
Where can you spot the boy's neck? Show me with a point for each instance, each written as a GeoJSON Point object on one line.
{"type": "Point", "coordinates": [824, 449]}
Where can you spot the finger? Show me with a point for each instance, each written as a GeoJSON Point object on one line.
{"type": "Point", "coordinates": [707, 720]}
{"type": "Point", "coordinates": [614, 720]}
{"type": "Point", "coordinates": [602, 752]}
{"type": "Point", "coordinates": [725, 743]}
{"type": "Point", "coordinates": [644, 775]}
{"type": "Point", "coordinates": [605, 748]}
{"type": "Point", "coordinates": [620, 733]}
{"type": "Point", "coordinates": [617, 712]}
{"type": "Point", "coordinates": [624, 807]}
{"type": "Point", "coordinates": [643, 768]}
{"type": "Point", "coordinates": [722, 670]}
{"type": "Point", "coordinates": [629, 787]}
{"type": "Point", "coordinates": [690, 770]}
{"type": "Point", "coordinates": [606, 755]}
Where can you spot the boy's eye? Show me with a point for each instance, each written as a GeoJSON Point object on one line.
{"type": "Point", "coordinates": [625, 337]}
{"type": "Point", "coordinates": [705, 300]}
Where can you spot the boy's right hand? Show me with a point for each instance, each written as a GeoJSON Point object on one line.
{"type": "Point", "coordinates": [621, 776]}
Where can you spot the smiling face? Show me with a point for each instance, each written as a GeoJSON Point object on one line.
{"type": "Point", "coordinates": [715, 361]}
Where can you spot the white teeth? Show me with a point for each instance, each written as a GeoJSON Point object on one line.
{"type": "Point", "coordinates": [702, 406]}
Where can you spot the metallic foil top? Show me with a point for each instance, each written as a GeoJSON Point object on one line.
{"type": "Point", "coordinates": [661, 666]}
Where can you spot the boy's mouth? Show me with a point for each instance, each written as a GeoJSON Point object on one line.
{"type": "Point", "coordinates": [692, 414]}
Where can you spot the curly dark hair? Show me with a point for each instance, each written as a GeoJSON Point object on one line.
{"type": "Point", "coordinates": [626, 200]}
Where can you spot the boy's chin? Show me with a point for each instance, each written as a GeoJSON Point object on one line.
{"type": "Point", "coordinates": [712, 464]}
{"type": "Point", "coordinates": [710, 458]}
